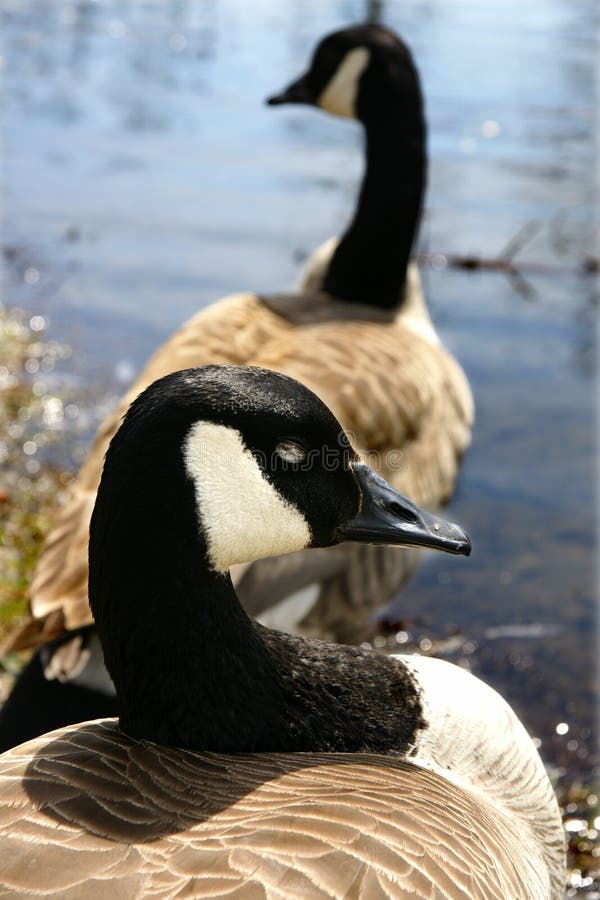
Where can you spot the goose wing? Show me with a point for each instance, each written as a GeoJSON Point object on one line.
{"type": "Point", "coordinates": [86, 811]}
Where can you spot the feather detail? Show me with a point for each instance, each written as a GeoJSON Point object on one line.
{"type": "Point", "coordinates": [87, 811]}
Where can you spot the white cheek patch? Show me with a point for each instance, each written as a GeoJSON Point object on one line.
{"type": "Point", "coordinates": [339, 97]}
{"type": "Point", "coordinates": [241, 514]}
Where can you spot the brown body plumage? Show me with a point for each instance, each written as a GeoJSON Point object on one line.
{"type": "Point", "coordinates": [140, 820]}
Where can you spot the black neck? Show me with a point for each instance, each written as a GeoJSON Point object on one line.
{"type": "Point", "coordinates": [187, 663]}
{"type": "Point", "coordinates": [200, 677]}
{"type": "Point", "coordinates": [369, 265]}
{"type": "Point", "coordinates": [191, 669]}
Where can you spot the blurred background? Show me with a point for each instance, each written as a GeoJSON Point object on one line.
{"type": "Point", "coordinates": [143, 177]}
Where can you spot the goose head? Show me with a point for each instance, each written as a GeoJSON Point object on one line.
{"type": "Point", "coordinates": [357, 73]}
{"type": "Point", "coordinates": [263, 464]}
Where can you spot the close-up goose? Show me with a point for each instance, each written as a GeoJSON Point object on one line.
{"type": "Point", "coordinates": [248, 762]}
{"type": "Point", "coordinates": [363, 342]}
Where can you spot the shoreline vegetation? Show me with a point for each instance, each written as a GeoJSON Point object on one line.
{"type": "Point", "coordinates": [44, 427]}
{"type": "Point", "coordinates": [35, 408]}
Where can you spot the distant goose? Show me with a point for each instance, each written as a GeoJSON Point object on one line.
{"type": "Point", "coordinates": [364, 344]}
{"type": "Point", "coordinates": [252, 763]}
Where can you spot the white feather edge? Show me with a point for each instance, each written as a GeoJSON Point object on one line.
{"type": "Point", "coordinates": [475, 740]}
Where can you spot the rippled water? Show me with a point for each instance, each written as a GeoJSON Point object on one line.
{"type": "Point", "coordinates": [143, 178]}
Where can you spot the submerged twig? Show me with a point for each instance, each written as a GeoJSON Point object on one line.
{"type": "Point", "coordinates": [505, 262]}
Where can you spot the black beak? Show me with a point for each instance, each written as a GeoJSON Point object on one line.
{"type": "Point", "coordinates": [296, 92]}
{"type": "Point", "coordinates": [387, 517]}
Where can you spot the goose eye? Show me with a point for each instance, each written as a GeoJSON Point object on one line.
{"type": "Point", "coordinates": [291, 451]}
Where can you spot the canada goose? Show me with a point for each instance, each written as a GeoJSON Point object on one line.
{"type": "Point", "coordinates": [374, 360]}
{"type": "Point", "coordinates": [250, 762]}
